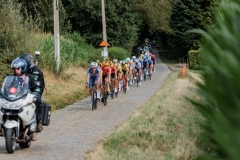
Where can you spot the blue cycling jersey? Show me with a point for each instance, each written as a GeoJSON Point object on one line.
{"type": "Point", "coordinates": [93, 73]}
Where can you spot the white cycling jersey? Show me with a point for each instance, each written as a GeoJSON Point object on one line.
{"type": "Point", "coordinates": [137, 65]}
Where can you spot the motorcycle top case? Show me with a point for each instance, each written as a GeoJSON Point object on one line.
{"type": "Point", "coordinates": [46, 113]}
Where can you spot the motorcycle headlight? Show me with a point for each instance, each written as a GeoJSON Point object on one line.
{"type": "Point", "coordinates": [7, 104]}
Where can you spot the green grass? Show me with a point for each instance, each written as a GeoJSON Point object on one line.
{"type": "Point", "coordinates": [164, 128]}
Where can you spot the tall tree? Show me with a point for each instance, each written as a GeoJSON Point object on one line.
{"type": "Point", "coordinates": [121, 23]}
{"type": "Point", "coordinates": [187, 15]}
{"type": "Point", "coordinates": [155, 14]}
{"type": "Point", "coordinates": [42, 12]}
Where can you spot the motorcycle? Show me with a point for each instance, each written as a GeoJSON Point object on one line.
{"type": "Point", "coordinates": [17, 113]}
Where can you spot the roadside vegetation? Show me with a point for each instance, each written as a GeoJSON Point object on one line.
{"type": "Point", "coordinates": [166, 127]}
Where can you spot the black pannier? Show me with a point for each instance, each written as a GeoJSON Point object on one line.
{"type": "Point", "coordinates": [46, 113]}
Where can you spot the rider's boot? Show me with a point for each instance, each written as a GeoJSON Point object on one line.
{"type": "Point", "coordinates": [40, 127]}
{"type": "Point", "coordinates": [34, 136]}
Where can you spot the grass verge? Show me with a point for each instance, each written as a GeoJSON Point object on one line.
{"type": "Point", "coordinates": [65, 90]}
{"type": "Point", "coordinates": [164, 128]}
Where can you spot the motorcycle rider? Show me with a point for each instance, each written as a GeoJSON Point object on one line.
{"type": "Point", "coordinates": [19, 67]}
{"type": "Point", "coordinates": [39, 88]}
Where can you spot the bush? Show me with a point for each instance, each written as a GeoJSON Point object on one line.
{"type": "Point", "coordinates": [16, 35]}
{"type": "Point", "coordinates": [72, 51]}
{"type": "Point", "coordinates": [196, 61]}
{"type": "Point", "coordinates": [118, 53]}
{"type": "Point", "coordinates": [221, 86]}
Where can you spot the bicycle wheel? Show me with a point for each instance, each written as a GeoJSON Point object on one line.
{"type": "Point", "coordinates": [105, 98]}
{"type": "Point", "coordinates": [124, 86]}
{"type": "Point", "coordinates": [112, 93]}
{"type": "Point", "coordinates": [138, 81]}
{"type": "Point", "coordinates": [93, 99]}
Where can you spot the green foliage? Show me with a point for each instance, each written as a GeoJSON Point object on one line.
{"type": "Point", "coordinates": [187, 15]}
{"type": "Point", "coordinates": [195, 59]}
{"type": "Point", "coordinates": [118, 53]}
{"type": "Point", "coordinates": [42, 12]}
{"type": "Point", "coordinates": [221, 50]}
{"type": "Point", "coordinates": [121, 23]}
{"type": "Point", "coordinates": [155, 14]}
{"type": "Point", "coordinates": [16, 34]}
{"type": "Point", "coordinates": [73, 51]}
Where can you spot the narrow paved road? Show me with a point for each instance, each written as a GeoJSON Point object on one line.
{"type": "Point", "coordinates": [76, 129]}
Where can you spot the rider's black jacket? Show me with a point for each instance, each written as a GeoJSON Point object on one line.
{"type": "Point", "coordinates": [38, 78]}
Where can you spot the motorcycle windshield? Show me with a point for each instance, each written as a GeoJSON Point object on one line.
{"type": "Point", "coordinates": [15, 87]}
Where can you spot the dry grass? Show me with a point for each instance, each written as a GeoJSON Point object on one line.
{"type": "Point", "coordinates": [66, 89]}
{"type": "Point", "coordinates": [165, 128]}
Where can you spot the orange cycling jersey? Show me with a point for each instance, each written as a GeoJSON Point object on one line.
{"type": "Point", "coordinates": [105, 70]}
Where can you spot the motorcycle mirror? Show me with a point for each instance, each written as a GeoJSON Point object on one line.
{"type": "Point", "coordinates": [37, 53]}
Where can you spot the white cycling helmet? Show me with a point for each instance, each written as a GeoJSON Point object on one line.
{"type": "Point", "coordinates": [133, 57]}
{"type": "Point", "coordinates": [93, 65]}
{"type": "Point", "coordinates": [136, 60]}
{"type": "Point", "coordinates": [115, 60]}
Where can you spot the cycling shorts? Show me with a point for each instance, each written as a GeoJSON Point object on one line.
{"type": "Point", "coordinates": [138, 70]}
{"type": "Point", "coordinates": [93, 80]}
{"type": "Point", "coordinates": [153, 61]}
{"type": "Point", "coordinates": [105, 76]}
{"type": "Point", "coordinates": [124, 72]}
{"type": "Point", "coordinates": [113, 75]}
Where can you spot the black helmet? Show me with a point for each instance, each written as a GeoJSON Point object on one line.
{"type": "Point", "coordinates": [19, 63]}
{"type": "Point", "coordinates": [28, 58]}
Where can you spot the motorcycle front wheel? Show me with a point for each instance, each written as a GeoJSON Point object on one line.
{"type": "Point", "coordinates": [10, 140]}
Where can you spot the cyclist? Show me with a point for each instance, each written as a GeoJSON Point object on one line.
{"type": "Point", "coordinates": [115, 63]}
{"type": "Point", "coordinates": [153, 57]}
{"type": "Point", "coordinates": [114, 75]}
{"type": "Point", "coordinates": [124, 67]}
{"type": "Point", "coordinates": [130, 67]}
{"type": "Point", "coordinates": [150, 65]}
{"type": "Point", "coordinates": [141, 58]}
{"type": "Point", "coordinates": [145, 64]}
{"type": "Point", "coordinates": [92, 78]}
{"type": "Point", "coordinates": [137, 67]}
{"type": "Point", "coordinates": [119, 74]}
{"type": "Point", "coordinates": [100, 76]}
{"type": "Point", "coordinates": [106, 74]}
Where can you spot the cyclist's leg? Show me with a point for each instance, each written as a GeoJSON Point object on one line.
{"type": "Point", "coordinates": [107, 83]}
{"type": "Point", "coordinates": [96, 83]}
{"type": "Point", "coordinates": [139, 76]}
{"type": "Point", "coordinates": [102, 88]}
{"type": "Point", "coordinates": [131, 75]}
{"type": "Point", "coordinates": [119, 80]}
{"type": "Point", "coordinates": [91, 81]}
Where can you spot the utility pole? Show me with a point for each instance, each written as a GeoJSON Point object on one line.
{"type": "Point", "coordinates": [104, 30]}
{"type": "Point", "coordinates": [56, 34]}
